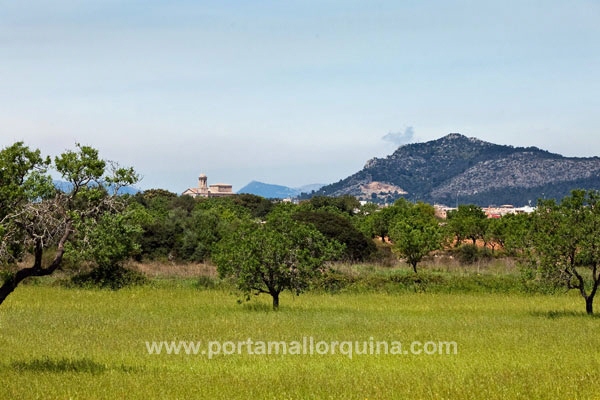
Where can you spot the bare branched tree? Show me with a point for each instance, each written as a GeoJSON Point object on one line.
{"type": "Point", "coordinates": [36, 218]}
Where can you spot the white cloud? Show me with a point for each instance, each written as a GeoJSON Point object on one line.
{"type": "Point", "coordinates": [400, 138]}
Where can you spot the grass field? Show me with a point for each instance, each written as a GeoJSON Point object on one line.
{"type": "Point", "coordinates": [70, 343]}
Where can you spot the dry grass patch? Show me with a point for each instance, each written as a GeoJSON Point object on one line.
{"type": "Point", "coordinates": [173, 270]}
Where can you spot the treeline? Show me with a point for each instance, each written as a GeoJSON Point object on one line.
{"type": "Point", "coordinates": [181, 228]}
{"type": "Point", "coordinates": [184, 229]}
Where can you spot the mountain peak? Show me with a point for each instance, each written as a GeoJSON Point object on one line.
{"type": "Point", "coordinates": [454, 136]}
{"type": "Point", "coordinates": [271, 191]}
{"type": "Point", "coordinates": [456, 168]}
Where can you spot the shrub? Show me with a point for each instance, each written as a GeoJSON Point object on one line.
{"type": "Point", "coordinates": [206, 282]}
{"type": "Point", "coordinates": [333, 281]}
{"type": "Point", "coordinates": [110, 277]}
{"type": "Point", "coordinates": [468, 254]}
{"type": "Point", "coordinates": [340, 228]}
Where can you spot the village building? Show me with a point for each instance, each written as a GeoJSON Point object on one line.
{"type": "Point", "coordinates": [204, 190]}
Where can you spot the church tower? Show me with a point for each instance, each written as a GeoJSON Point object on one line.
{"type": "Point", "coordinates": [202, 186]}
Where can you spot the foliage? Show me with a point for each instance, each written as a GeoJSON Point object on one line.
{"type": "Point", "coordinates": [416, 232]}
{"type": "Point", "coordinates": [566, 239]}
{"type": "Point", "coordinates": [201, 231]}
{"type": "Point", "coordinates": [469, 253]}
{"type": "Point", "coordinates": [339, 228]}
{"type": "Point", "coordinates": [468, 221]}
{"type": "Point", "coordinates": [378, 222]}
{"type": "Point", "coordinates": [110, 239]}
{"type": "Point", "coordinates": [186, 229]}
{"type": "Point", "coordinates": [258, 206]}
{"type": "Point", "coordinates": [37, 218]}
{"type": "Point", "coordinates": [110, 276]}
{"type": "Point", "coordinates": [509, 232]}
{"type": "Point", "coordinates": [344, 204]}
{"type": "Point", "coordinates": [280, 254]}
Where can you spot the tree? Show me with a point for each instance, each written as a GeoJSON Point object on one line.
{"type": "Point", "coordinates": [345, 204]}
{"type": "Point", "coordinates": [37, 219]}
{"type": "Point", "coordinates": [339, 227]}
{"type": "Point", "coordinates": [510, 232]}
{"type": "Point", "coordinates": [566, 241]}
{"type": "Point", "coordinates": [258, 206]}
{"type": "Point", "coordinates": [380, 221]}
{"type": "Point", "coordinates": [273, 256]}
{"type": "Point", "coordinates": [468, 221]}
{"type": "Point", "coordinates": [416, 233]}
{"type": "Point", "coordinates": [110, 240]}
{"type": "Point", "coordinates": [201, 232]}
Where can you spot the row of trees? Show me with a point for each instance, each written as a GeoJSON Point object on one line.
{"type": "Point", "coordinates": [266, 247]}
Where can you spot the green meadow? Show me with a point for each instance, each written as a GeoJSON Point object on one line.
{"type": "Point", "coordinates": [60, 343]}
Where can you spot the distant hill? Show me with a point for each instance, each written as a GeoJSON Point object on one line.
{"type": "Point", "coordinates": [271, 191]}
{"type": "Point", "coordinates": [67, 186]}
{"type": "Point", "coordinates": [457, 169]}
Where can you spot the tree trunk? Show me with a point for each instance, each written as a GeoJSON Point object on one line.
{"type": "Point", "coordinates": [11, 283]}
{"type": "Point", "coordinates": [414, 266]}
{"type": "Point", "coordinates": [275, 301]}
{"type": "Point", "coordinates": [589, 305]}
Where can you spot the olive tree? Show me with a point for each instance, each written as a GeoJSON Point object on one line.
{"type": "Point", "coordinates": [416, 233]}
{"type": "Point", "coordinates": [273, 256]}
{"type": "Point", "coordinates": [38, 221]}
{"type": "Point", "coordinates": [566, 244]}
{"type": "Point", "coordinates": [468, 221]}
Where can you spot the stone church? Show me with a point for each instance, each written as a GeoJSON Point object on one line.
{"type": "Point", "coordinates": [203, 190]}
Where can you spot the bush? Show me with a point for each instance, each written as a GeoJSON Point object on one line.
{"type": "Point", "coordinates": [470, 254]}
{"type": "Point", "coordinates": [337, 227]}
{"type": "Point", "coordinates": [333, 281]}
{"type": "Point", "coordinates": [110, 277]}
{"type": "Point", "coordinates": [206, 282]}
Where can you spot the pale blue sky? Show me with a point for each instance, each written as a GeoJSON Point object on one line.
{"type": "Point", "coordinates": [294, 92]}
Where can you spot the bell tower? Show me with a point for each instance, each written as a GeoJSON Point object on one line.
{"type": "Point", "coordinates": [202, 186]}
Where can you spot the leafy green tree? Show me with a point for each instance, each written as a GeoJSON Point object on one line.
{"type": "Point", "coordinates": [416, 233]}
{"type": "Point", "coordinates": [111, 239]}
{"type": "Point", "coordinates": [280, 254]}
{"type": "Point", "coordinates": [202, 230]}
{"type": "Point", "coordinates": [566, 243]}
{"type": "Point", "coordinates": [114, 237]}
{"type": "Point", "coordinates": [510, 232]}
{"type": "Point", "coordinates": [468, 221]}
{"type": "Point", "coordinates": [345, 204]}
{"type": "Point", "coordinates": [380, 221]}
{"type": "Point", "coordinates": [339, 227]}
{"type": "Point", "coordinates": [363, 218]}
{"type": "Point", "coordinates": [258, 206]}
{"type": "Point", "coordinates": [37, 219]}
{"type": "Point", "coordinates": [163, 229]}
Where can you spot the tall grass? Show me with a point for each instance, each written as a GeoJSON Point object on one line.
{"type": "Point", "coordinates": [73, 343]}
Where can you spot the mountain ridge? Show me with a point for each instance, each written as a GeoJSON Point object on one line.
{"type": "Point", "coordinates": [456, 168]}
{"type": "Point", "coordinates": [272, 191]}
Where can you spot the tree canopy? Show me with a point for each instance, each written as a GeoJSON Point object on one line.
{"type": "Point", "coordinates": [279, 254]}
{"type": "Point", "coordinates": [566, 243]}
{"type": "Point", "coordinates": [37, 219]}
{"type": "Point", "coordinates": [416, 232]}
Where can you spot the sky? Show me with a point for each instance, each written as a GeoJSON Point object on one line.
{"type": "Point", "coordinates": [294, 92]}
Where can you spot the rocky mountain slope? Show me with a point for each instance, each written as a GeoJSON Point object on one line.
{"type": "Point", "coordinates": [457, 169]}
